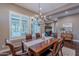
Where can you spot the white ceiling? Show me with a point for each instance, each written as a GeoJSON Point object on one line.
{"type": "Point", "coordinates": [46, 7]}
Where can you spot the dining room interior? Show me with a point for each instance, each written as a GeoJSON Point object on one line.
{"type": "Point", "coordinates": [39, 29]}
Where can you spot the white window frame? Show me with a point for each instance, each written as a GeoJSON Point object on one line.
{"type": "Point", "coordinates": [21, 15]}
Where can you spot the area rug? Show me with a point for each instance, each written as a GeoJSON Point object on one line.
{"type": "Point", "coordinates": [68, 51]}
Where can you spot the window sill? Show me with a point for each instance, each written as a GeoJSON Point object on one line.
{"type": "Point", "coordinates": [18, 38]}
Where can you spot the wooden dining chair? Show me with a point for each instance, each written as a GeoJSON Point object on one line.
{"type": "Point", "coordinates": [57, 47]}
{"type": "Point", "coordinates": [38, 35]}
{"type": "Point", "coordinates": [60, 46]}
{"type": "Point", "coordinates": [28, 37]}
{"type": "Point", "coordinates": [13, 51]}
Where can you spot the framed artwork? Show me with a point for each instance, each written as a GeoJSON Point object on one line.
{"type": "Point", "coordinates": [67, 27]}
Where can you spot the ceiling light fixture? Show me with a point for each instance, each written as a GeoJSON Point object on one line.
{"type": "Point", "coordinates": [40, 8]}
{"type": "Point", "coordinates": [66, 12]}
{"type": "Point", "coordinates": [44, 16]}
{"type": "Point", "coordinates": [40, 14]}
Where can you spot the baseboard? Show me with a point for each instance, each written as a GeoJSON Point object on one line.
{"type": "Point", "coordinates": [76, 40]}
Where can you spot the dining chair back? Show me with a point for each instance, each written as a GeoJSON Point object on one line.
{"type": "Point", "coordinates": [38, 35]}
{"type": "Point", "coordinates": [12, 49]}
{"type": "Point", "coordinates": [28, 37]}
{"type": "Point", "coordinates": [57, 47]}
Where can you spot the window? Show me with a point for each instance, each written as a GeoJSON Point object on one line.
{"type": "Point", "coordinates": [35, 26]}
{"type": "Point", "coordinates": [25, 25]}
{"type": "Point", "coordinates": [15, 31]}
{"type": "Point", "coordinates": [19, 25]}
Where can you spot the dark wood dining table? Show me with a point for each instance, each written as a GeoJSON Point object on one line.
{"type": "Point", "coordinates": [40, 48]}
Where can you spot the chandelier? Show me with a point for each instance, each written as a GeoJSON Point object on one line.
{"type": "Point", "coordinates": [41, 17]}
{"type": "Point", "coordinates": [40, 12]}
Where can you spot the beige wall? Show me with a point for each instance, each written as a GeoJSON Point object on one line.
{"type": "Point", "coordinates": [75, 24]}
{"type": "Point", "coordinates": [4, 18]}
{"type": "Point", "coordinates": [3, 22]}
